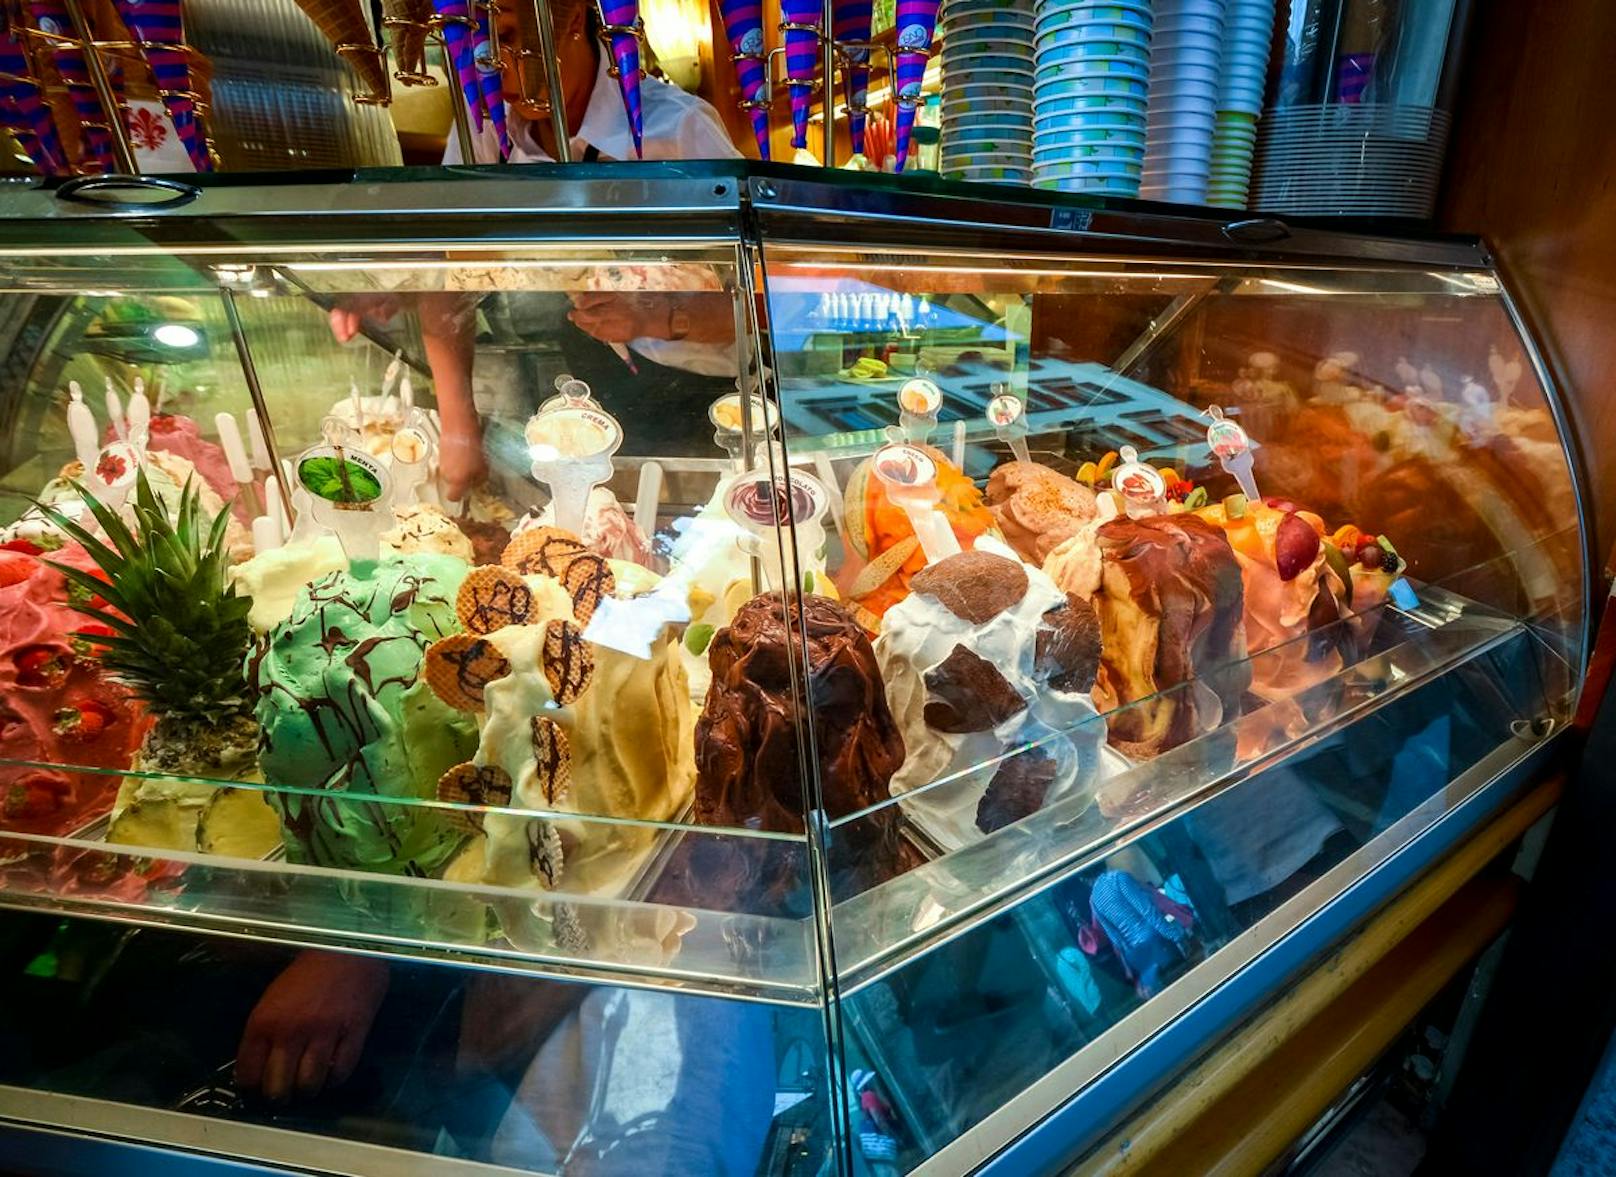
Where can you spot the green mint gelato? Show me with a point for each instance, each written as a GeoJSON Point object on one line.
{"type": "Point", "coordinates": [345, 709]}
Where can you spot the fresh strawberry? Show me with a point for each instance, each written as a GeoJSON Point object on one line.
{"type": "Point", "coordinates": [41, 666]}
{"type": "Point", "coordinates": [83, 721]}
{"type": "Point", "coordinates": [26, 546]}
{"type": "Point", "coordinates": [36, 795]}
{"type": "Point", "coordinates": [16, 568]}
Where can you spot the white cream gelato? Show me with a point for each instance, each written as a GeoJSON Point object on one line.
{"type": "Point", "coordinates": [994, 695]}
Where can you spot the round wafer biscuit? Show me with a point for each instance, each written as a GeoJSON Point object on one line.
{"type": "Point", "coordinates": [567, 661]}
{"type": "Point", "coordinates": [491, 598]}
{"type": "Point", "coordinates": [541, 551]}
{"type": "Point", "coordinates": [474, 784]}
{"type": "Point", "coordinates": [552, 759]}
{"type": "Point", "coordinates": [460, 666]}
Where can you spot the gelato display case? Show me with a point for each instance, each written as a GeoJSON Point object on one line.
{"type": "Point", "coordinates": [718, 669]}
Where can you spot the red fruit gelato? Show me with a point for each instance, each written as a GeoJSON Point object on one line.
{"type": "Point", "coordinates": [58, 708]}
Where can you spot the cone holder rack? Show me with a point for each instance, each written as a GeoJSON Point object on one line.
{"type": "Point", "coordinates": [836, 54]}
{"type": "Point", "coordinates": [115, 113]}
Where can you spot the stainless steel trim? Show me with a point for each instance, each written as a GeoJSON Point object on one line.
{"type": "Point", "coordinates": [894, 211]}
{"type": "Point", "coordinates": [100, 1119]}
{"type": "Point", "coordinates": [255, 390]}
{"type": "Point", "coordinates": [1239, 961]}
{"type": "Point", "coordinates": [552, 80]}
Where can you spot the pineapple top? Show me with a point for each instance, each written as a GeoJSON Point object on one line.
{"type": "Point", "coordinates": [180, 636]}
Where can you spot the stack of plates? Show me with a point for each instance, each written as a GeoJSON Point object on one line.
{"type": "Point", "coordinates": [1248, 31]}
{"type": "Point", "coordinates": [1091, 88]}
{"type": "Point", "coordinates": [1358, 159]}
{"type": "Point", "coordinates": [1184, 86]}
{"type": "Point", "coordinates": [987, 90]}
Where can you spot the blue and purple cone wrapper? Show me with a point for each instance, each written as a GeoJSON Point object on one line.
{"type": "Point", "coordinates": [917, 25]}
{"type": "Point", "coordinates": [743, 25]}
{"type": "Point", "coordinates": [625, 50]}
{"type": "Point", "coordinates": [802, 62]}
{"type": "Point", "coordinates": [159, 21]}
{"type": "Point", "coordinates": [851, 22]}
{"type": "Point", "coordinates": [25, 112]}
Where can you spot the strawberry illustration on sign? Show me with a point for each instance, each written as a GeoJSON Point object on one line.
{"type": "Point", "coordinates": [146, 130]}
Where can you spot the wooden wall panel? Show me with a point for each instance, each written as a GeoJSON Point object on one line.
{"type": "Point", "coordinates": [1533, 169]}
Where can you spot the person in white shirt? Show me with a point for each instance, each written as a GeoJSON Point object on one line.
{"type": "Point", "coordinates": [682, 344]}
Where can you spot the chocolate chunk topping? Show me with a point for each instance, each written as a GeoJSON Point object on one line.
{"type": "Point", "coordinates": [1068, 650]}
{"type": "Point", "coordinates": [1017, 790]}
{"type": "Point", "coordinates": [974, 586]}
{"type": "Point", "coordinates": [968, 694]}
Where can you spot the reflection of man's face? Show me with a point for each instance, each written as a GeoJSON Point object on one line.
{"type": "Point", "coordinates": [521, 63]}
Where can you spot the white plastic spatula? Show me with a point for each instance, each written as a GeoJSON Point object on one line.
{"type": "Point", "coordinates": [351, 493]}
{"type": "Point", "coordinates": [120, 427]}
{"type": "Point", "coordinates": [910, 478]}
{"type": "Point", "coordinates": [81, 428]}
{"type": "Point", "coordinates": [259, 444]}
{"type": "Point", "coordinates": [139, 418]}
{"type": "Point", "coordinates": [774, 513]}
{"type": "Point", "coordinates": [919, 403]}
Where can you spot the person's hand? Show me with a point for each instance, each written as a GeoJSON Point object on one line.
{"type": "Point", "coordinates": [462, 465]}
{"type": "Point", "coordinates": [308, 1029]}
{"type": "Point", "coordinates": [619, 318]}
{"type": "Point", "coordinates": [349, 314]}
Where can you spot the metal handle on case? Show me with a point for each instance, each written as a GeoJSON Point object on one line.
{"type": "Point", "coordinates": [1257, 231]}
{"type": "Point", "coordinates": [154, 192]}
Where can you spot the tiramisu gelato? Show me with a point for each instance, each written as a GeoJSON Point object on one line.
{"type": "Point", "coordinates": [1037, 508]}
{"type": "Point", "coordinates": [988, 667]}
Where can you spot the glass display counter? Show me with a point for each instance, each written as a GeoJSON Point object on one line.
{"type": "Point", "coordinates": [707, 669]}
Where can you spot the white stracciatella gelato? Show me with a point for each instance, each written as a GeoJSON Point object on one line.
{"type": "Point", "coordinates": [988, 668]}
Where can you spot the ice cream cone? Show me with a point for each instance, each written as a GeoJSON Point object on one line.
{"type": "Point", "coordinates": [25, 112]}
{"type": "Point", "coordinates": [743, 25]}
{"type": "Point", "coordinates": [802, 22]}
{"type": "Point", "coordinates": [917, 21]}
{"type": "Point", "coordinates": [460, 43]}
{"type": "Point", "coordinates": [159, 22]}
{"type": "Point", "coordinates": [851, 23]}
{"type": "Point", "coordinates": [343, 23]}
{"type": "Point", "coordinates": [51, 16]}
{"type": "Point", "coordinates": [409, 39]}
{"type": "Point", "coordinates": [625, 50]}
{"type": "Point", "coordinates": [488, 82]}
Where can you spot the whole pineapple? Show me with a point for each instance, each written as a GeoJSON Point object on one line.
{"type": "Point", "coordinates": [179, 641]}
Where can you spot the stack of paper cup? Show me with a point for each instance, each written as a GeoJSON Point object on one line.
{"type": "Point", "coordinates": [1185, 60]}
{"type": "Point", "coordinates": [1090, 94]}
{"type": "Point", "coordinates": [987, 90]}
{"type": "Point", "coordinates": [1248, 31]}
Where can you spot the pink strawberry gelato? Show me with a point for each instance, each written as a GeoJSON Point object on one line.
{"type": "Point", "coordinates": [58, 708]}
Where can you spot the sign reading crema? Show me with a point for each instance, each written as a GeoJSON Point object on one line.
{"type": "Point", "coordinates": [571, 444]}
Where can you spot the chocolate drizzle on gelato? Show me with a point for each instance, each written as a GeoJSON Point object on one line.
{"type": "Point", "coordinates": [749, 742]}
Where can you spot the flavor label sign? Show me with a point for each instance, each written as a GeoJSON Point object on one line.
{"type": "Point", "coordinates": [350, 480]}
